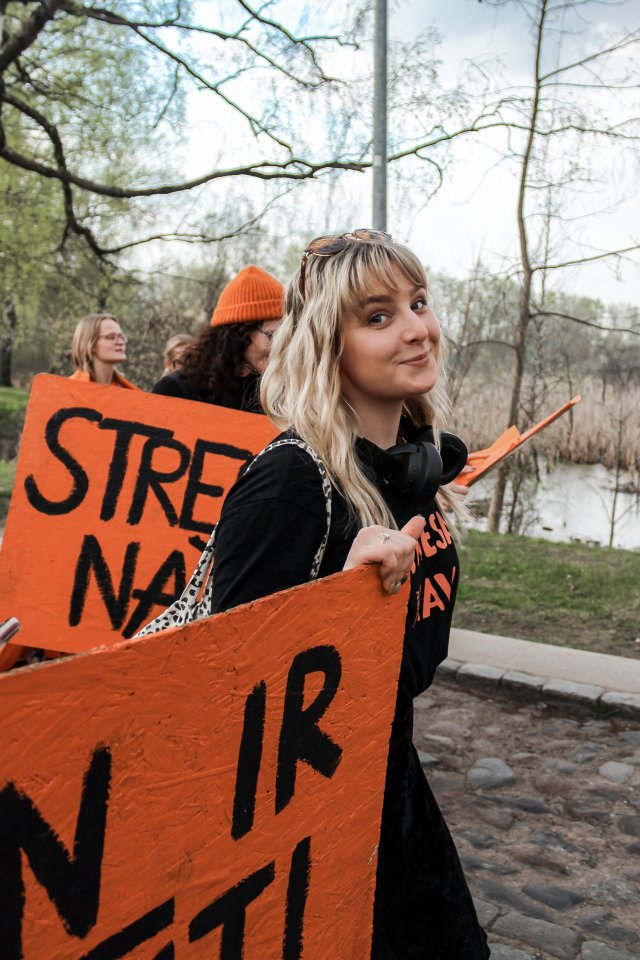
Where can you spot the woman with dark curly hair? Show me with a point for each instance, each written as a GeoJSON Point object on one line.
{"type": "Point", "coordinates": [224, 364]}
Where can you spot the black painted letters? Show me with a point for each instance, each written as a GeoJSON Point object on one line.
{"type": "Point", "coordinates": [72, 882]}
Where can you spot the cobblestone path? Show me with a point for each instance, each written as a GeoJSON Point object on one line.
{"type": "Point", "coordinates": [544, 805]}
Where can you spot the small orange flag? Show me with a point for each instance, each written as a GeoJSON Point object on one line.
{"type": "Point", "coordinates": [511, 439]}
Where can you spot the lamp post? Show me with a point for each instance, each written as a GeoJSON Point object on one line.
{"type": "Point", "coordinates": [380, 118]}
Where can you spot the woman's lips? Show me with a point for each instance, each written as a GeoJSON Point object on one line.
{"type": "Point", "coordinates": [420, 359]}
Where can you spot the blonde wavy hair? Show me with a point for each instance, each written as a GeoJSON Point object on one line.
{"type": "Point", "coordinates": [85, 338]}
{"type": "Point", "coordinates": [301, 387]}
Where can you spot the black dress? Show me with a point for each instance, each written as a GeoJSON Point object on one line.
{"type": "Point", "coordinates": [272, 523]}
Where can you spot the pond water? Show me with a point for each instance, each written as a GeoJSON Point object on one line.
{"type": "Point", "coordinates": [574, 502]}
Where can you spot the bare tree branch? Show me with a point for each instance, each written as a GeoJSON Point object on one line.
{"type": "Point", "coordinates": [602, 85]}
{"type": "Point", "coordinates": [256, 125]}
{"type": "Point", "coordinates": [620, 44]}
{"type": "Point", "coordinates": [478, 127]}
{"type": "Point", "coordinates": [580, 260]}
{"type": "Point", "coordinates": [72, 222]}
{"type": "Point", "coordinates": [278, 26]}
{"type": "Point", "coordinates": [202, 238]}
{"type": "Point", "coordinates": [137, 26]}
{"type": "Point", "coordinates": [18, 42]}
{"type": "Point", "coordinates": [445, 137]}
{"type": "Point", "coordinates": [199, 238]}
{"type": "Point", "coordinates": [481, 343]}
{"type": "Point", "coordinates": [584, 322]}
{"type": "Point", "coordinates": [293, 169]}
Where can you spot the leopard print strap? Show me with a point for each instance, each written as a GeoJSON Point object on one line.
{"type": "Point", "coordinates": [187, 607]}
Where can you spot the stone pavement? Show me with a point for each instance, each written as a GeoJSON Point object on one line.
{"type": "Point", "coordinates": [543, 800]}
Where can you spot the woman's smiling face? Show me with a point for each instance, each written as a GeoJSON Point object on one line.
{"type": "Point", "coordinates": [391, 344]}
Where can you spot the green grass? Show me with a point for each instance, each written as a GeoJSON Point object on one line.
{"type": "Point", "coordinates": [13, 403]}
{"type": "Point", "coordinates": [7, 475]}
{"type": "Point", "coordinates": [12, 400]}
{"type": "Point", "coordinates": [562, 593]}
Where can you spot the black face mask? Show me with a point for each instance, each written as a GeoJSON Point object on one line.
{"type": "Point", "coordinates": [416, 469]}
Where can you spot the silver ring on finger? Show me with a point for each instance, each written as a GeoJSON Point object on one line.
{"type": "Point", "coordinates": [384, 537]}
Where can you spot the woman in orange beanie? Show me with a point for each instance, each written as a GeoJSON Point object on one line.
{"type": "Point", "coordinates": [225, 363]}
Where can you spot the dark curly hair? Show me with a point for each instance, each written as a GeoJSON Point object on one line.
{"type": "Point", "coordinates": [211, 365]}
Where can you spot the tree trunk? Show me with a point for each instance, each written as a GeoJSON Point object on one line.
{"type": "Point", "coordinates": [524, 301]}
{"type": "Point", "coordinates": [516, 484]}
{"type": "Point", "coordinates": [616, 489]}
{"type": "Point", "coordinates": [6, 345]}
{"type": "Point", "coordinates": [497, 497]}
{"type": "Point", "coordinates": [520, 350]}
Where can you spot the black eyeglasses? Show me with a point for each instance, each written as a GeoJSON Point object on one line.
{"type": "Point", "coordinates": [328, 246]}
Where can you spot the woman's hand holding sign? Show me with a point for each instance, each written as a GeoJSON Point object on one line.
{"type": "Point", "coordinates": [394, 550]}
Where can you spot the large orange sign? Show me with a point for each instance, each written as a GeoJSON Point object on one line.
{"type": "Point", "coordinates": [116, 493]}
{"type": "Point", "coordinates": [211, 792]}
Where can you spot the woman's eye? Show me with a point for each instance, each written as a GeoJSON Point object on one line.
{"type": "Point", "coordinates": [377, 319]}
{"type": "Point", "coordinates": [419, 304]}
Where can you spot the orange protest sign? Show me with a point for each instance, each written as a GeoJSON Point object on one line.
{"type": "Point", "coordinates": [116, 493]}
{"type": "Point", "coordinates": [483, 460]}
{"type": "Point", "coordinates": [212, 791]}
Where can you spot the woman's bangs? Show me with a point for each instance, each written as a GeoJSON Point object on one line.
{"type": "Point", "coordinates": [376, 263]}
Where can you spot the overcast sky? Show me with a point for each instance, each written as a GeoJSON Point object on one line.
{"type": "Point", "coordinates": [474, 213]}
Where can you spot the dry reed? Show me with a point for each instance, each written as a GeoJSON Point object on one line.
{"type": "Point", "coordinates": [598, 430]}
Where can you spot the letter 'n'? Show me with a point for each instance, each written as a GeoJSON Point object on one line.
{"type": "Point", "coordinates": [72, 882]}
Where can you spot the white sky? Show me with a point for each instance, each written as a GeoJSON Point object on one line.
{"type": "Point", "coordinates": [474, 212]}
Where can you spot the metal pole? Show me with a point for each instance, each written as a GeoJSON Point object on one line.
{"type": "Point", "coordinates": [380, 118]}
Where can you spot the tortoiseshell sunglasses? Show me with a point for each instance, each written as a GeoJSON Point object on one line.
{"type": "Point", "coordinates": [328, 246]}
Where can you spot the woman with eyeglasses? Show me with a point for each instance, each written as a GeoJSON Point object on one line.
{"type": "Point", "coordinates": [356, 374]}
{"type": "Point", "coordinates": [226, 361]}
{"type": "Point", "coordinates": [98, 345]}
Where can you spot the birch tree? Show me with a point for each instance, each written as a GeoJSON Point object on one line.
{"type": "Point", "coordinates": [566, 130]}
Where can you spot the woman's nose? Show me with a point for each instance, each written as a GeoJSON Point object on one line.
{"type": "Point", "coordinates": [416, 327]}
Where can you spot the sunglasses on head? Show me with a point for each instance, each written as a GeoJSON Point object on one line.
{"type": "Point", "coordinates": [328, 246]}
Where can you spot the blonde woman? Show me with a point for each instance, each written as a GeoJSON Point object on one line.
{"type": "Point", "coordinates": [174, 351]}
{"type": "Point", "coordinates": [98, 345]}
{"type": "Point", "coordinates": [355, 372]}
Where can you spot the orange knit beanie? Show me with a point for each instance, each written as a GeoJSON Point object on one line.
{"type": "Point", "coordinates": [252, 295]}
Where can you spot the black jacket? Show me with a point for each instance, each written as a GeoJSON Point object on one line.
{"type": "Point", "coordinates": [272, 524]}
{"type": "Point", "coordinates": [244, 396]}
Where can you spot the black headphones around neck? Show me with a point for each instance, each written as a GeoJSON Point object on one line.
{"type": "Point", "coordinates": [416, 469]}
